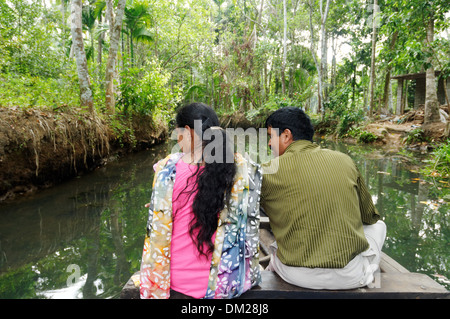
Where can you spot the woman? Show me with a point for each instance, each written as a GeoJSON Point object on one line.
{"type": "Point", "coordinates": [203, 226]}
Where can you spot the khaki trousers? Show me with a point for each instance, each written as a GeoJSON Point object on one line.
{"type": "Point", "coordinates": [359, 272]}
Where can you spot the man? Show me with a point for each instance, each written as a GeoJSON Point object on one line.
{"type": "Point", "coordinates": [327, 229]}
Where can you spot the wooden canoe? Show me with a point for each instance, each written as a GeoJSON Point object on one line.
{"type": "Point", "coordinates": [393, 282]}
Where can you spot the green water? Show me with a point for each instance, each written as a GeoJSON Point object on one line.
{"type": "Point", "coordinates": [83, 238]}
{"type": "Point", "coordinates": [415, 208]}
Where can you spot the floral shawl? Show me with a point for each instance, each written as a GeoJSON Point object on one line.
{"type": "Point", "coordinates": [235, 261]}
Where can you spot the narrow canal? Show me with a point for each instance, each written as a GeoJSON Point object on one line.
{"type": "Point", "coordinates": [83, 238]}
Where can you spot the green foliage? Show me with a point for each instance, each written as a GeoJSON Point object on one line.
{"type": "Point", "coordinates": [339, 110]}
{"type": "Point", "coordinates": [416, 136]}
{"type": "Point", "coordinates": [362, 136]}
{"type": "Point", "coordinates": [145, 89]}
{"type": "Point", "coordinates": [439, 164]}
{"type": "Point", "coordinates": [28, 44]}
{"type": "Point", "coordinates": [258, 116]}
{"type": "Point", "coordinates": [367, 137]}
{"type": "Point", "coordinates": [196, 92]}
{"type": "Point", "coordinates": [32, 91]}
{"type": "Point", "coordinates": [122, 128]}
{"type": "Point", "coordinates": [276, 102]}
{"type": "Point", "coordinates": [136, 20]}
{"type": "Point", "coordinates": [18, 283]}
{"type": "Point", "coordinates": [228, 54]}
{"type": "Point", "coordinates": [348, 120]}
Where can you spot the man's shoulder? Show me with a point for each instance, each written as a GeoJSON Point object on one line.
{"type": "Point", "coordinates": [335, 154]}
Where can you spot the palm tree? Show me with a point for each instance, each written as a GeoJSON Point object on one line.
{"type": "Point", "coordinates": [136, 19]}
{"type": "Point", "coordinates": [89, 19]}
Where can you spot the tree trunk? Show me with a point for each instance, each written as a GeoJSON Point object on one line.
{"type": "Point", "coordinates": [80, 57]}
{"type": "Point", "coordinates": [291, 81]}
{"type": "Point", "coordinates": [101, 36]}
{"type": "Point", "coordinates": [431, 99]}
{"type": "Point", "coordinates": [132, 50]}
{"type": "Point", "coordinates": [323, 20]}
{"type": "Point", "coordinates": [324, 63]}
{"type": "Point", "coordinates": [324, 52]}
{"type": "Point", "coordinates": [259, 23]}
{"type": "Point", "coordinates": [91, 35]}
{"type": "Point", "coordinates": [112, 56]}
{"type": "Point", "coordinates": [354, 87]}
{"type": "Point", "coordinates": [333, 61]}
{"type": "Point", "coordinates": [62, 8]}
{"type": "Point", "coordinates": [388, 74]}
{"type": "Point", "coordinates": [109, 15]}
{"type": "Point", "coordinates": [372, 66]}
{"type": "Point", "coordinates": [283, 67]}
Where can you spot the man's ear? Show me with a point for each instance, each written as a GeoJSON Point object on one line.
{"type": "Point", "coordinates": [287, 136]}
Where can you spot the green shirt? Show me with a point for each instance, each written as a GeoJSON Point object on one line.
{"type": "Point", "coordinates": [317, 203]}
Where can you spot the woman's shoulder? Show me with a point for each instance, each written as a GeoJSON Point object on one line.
{"type": "Point", "coordinates": [245, 159]}
{"type": "Point", "coordinates": [238, 158]}
{"type": "Point", "coordinates": [247, 167]}
{"type": "Point", "coordinates": [174, 157]}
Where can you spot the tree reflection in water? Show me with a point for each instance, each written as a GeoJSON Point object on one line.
{"type": "Point", "coordinates": [412, 205]}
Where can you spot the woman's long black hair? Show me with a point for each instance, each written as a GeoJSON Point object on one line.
{"type": "Point", "coordinates": [215, 181]}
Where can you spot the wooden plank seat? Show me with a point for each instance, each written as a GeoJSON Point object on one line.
{"type": "Point", "coordinates": [390, 286]}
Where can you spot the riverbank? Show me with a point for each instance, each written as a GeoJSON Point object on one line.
{"type": "Point", "coordinates": [393, 133]}
{"type": "Point", "coordinates": [41, 148]}
{"type": "Point", "coordinates": [408, 130]}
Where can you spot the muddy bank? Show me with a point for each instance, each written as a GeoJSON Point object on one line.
{"type": "Point", "coordinates": [409, 131]}
{"type": "Point", "coordinates": [254, 118]}
{"type": "Point", "coordinates": [39, 149]}
{"type": "Point", "coordinates": [393, 133]}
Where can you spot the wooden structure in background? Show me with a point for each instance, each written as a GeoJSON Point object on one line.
{"type": "Point", "coordinates": [419, 92]}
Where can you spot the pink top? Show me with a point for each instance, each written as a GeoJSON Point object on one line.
{"type": "Point", "coordinates": [189, 270]}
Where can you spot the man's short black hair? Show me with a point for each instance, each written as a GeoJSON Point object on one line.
{"type": "Point", "coordinates": [295, 120]}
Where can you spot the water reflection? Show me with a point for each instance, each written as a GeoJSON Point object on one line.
{"type": "Point", "coordinates": [96, 222]}
{"type": "Point", "coordinates": [415, 208]}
